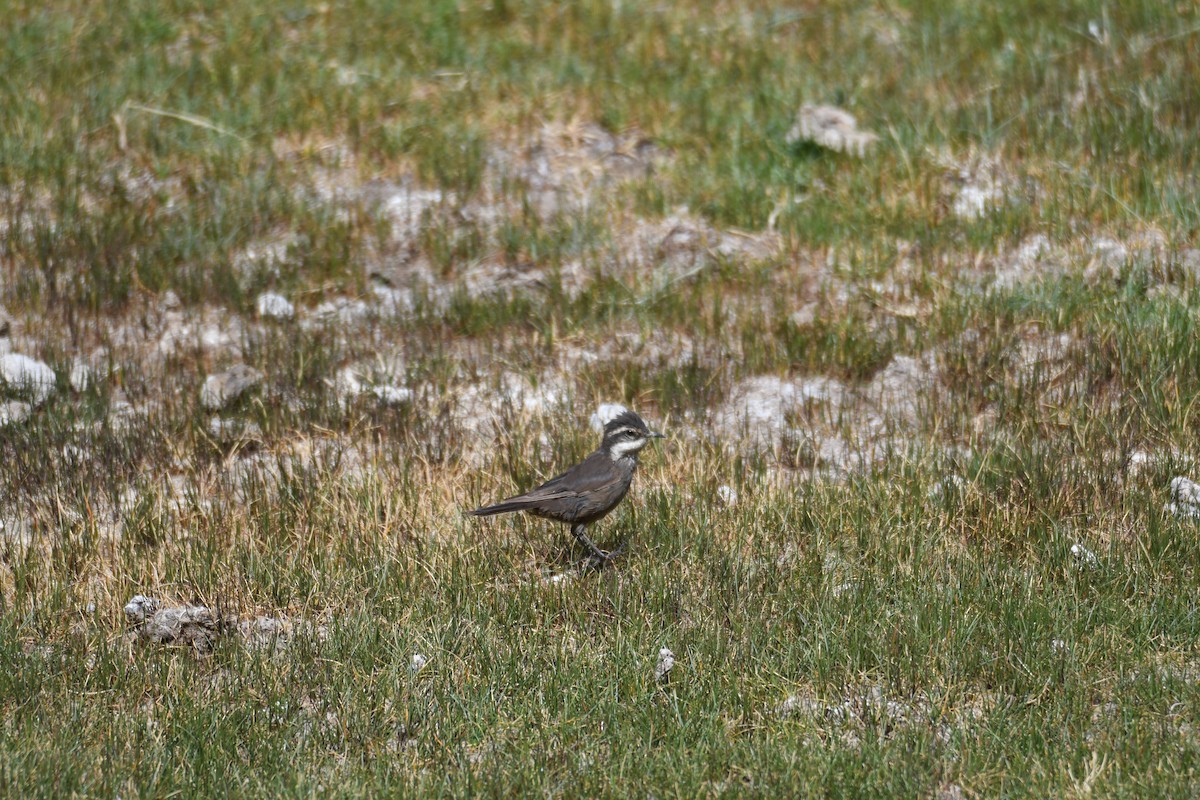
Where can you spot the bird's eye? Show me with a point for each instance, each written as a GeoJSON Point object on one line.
{"type": "Point", "coordinates": [631, 434]}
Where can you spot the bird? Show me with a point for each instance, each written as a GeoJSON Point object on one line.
{"type": "Point", "coordinates": [588, 491]}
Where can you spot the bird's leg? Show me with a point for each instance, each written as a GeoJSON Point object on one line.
{"type": "Point", "coordinates": [599, 556]}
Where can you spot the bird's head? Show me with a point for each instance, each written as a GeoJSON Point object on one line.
{"type": "Point", "coordinates": [625, 435]}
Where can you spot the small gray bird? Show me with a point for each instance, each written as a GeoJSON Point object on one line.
{"type": "Point", "coordinates": [589, 490]}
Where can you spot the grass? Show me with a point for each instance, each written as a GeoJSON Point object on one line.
{"type": "Point", "coordinates": [904, 616]}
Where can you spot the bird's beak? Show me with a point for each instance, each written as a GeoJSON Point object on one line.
{"type": "Point", "coordinates": [657, 435]}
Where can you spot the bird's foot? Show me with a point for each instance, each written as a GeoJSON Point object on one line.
{"type": "Point", "coordinates": [598, 559]}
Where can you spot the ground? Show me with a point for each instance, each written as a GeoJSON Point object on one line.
{"type": "Point", "coordinates": [911, 287]}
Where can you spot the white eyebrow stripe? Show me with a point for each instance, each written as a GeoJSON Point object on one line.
{"type": "Point", "coordinates": [623, 431]}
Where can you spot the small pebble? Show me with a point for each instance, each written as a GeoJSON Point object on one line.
{"type": "Point", "coordinates": [275, 306]}
{"type": "Point", "coordinates": [666, 662]}
{"type": "Point", "coordinates": [1185, 498]}
{"type": "Point", "coordinates": [81, 377]}
{"type": "Point", "coordinates": [222, 389]}
{"type": "Point", "coordinates": [1084, 556]}
{"type": "Point", "coordinates": [832, 128]}
{"type": "Point", "coordinates": [1184, 490]}
{"type": "Point", "coordinates": [139, 608]}
{"type": "Point", "coordinates": [392, 395]}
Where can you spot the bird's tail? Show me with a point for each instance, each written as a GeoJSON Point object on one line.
{"type": "Point", "coordinates": [502, 508]}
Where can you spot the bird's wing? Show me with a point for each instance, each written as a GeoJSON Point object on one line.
{"type": "Point", "coordinates": [594, 474]}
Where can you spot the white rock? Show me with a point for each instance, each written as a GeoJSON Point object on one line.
{"type": "Point", "coordinates": [1038, 353]}
{"type": "Point", "coordinates": [951, 791]}
{"type": "Point", "coordinates": [275, 306]}
{"type": "Point", "coordinates": [518, 392]}
{"type": "Point", "coordinates": [840, 455]}
{"type": "Point", "coordinates": [223, 388]}
{"type": "Point", "coordinates": [1059, 647]}
{"type": "Point", "coordinates": [795, 706]}
{"type": "Point", "coordinates": [345, 310]}
{"type": "Point", "coordinates": [233, 430]}
{"type": "Point", "coordinates": [275, 633]}
{"type": "Point", "coordinates": [604, 414]}
{"type": "Point", "coordinates": [760, 406]}
{"type": "Point", "coordinates": [980, 185]}
{"type": "Point", "coordinates": [81, 376]}
{"type": "Point", "coordinates": [351, 382]}
{"type": "Point", "coordinates": [348, 383]}
{"type": "Point", "coordinates": [417, 663]}
{"type": "Point", "coordinates": [264, 256]}
{"type": "Point", "coordinates": [976, 199]}
{"type": "Point", "coordinates": [1188, 261]}
{"type": "Point", "coordinates": [392, 395]}
{"type": "Point", "coordinates": [822, 390]}
{"type": "Point", "coordinates": [199, 329]}
{"type": "Point", "coordinates": [1185, 498]}
{"type": "Point", "coordinates": [1110, 252]}
{"type": "Point", "coordinates": [139, 608]}
{"type": "Point", "coordinates": [14, 412]}
{"type": "Point", "coordinates": [805, 315]}
{"type": "Point", "coordinates": [1144, 461]}
{"type": "Point", "coordinates": [1031, 251]}
{"type": "Point", "coordinates": [1139, 461]}
{"type": "Point", "coordinates": [727, 495]}
{"type": "Point", "coordinates": [758, 409]}
{"type": "Point", "coordinates": [28, 376]}
{"type": "Point", "coordinates": [666, 662]}
{"type": "Point", "coordinates": [832, 128]}
{"type": "Point", "coordinates": [899, 387]}
{"type": "Point", "coordinates": [1184, 490]}
{"type": "Point", "coordinates": [214, 337]}
{"type": "Point", "coordinates": [1030, 260]}
{"type": "Point", "coordinates": [263, 632]}
{"type": "Point", "coordinates": [406, 207]}
{"type": "Point", "coordinates": [1084, 557]}
{"type": "Point", "coordinates": [122, 415]}
{"type": "Point", "coordinates": [393, 302]}
{"type": "Point", "coordinates": [194, 625]}
{"type": "Point", "coordinates": [1182, 510]}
